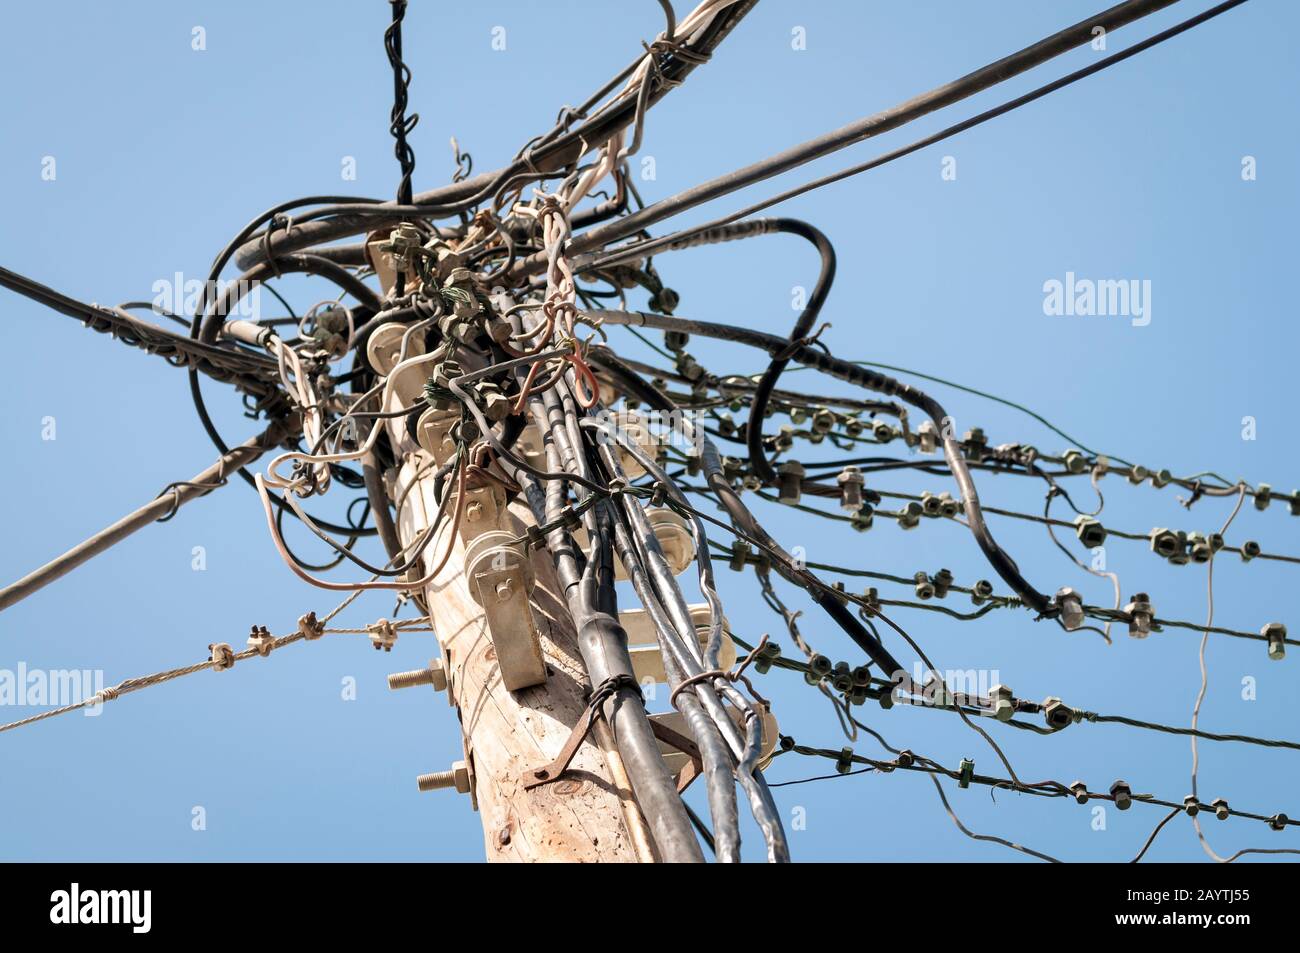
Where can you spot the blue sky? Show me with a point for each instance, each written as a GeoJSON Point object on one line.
{"type": "Point", "coordinates": [163, 152]}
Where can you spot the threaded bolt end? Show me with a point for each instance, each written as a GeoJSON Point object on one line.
{"type": "Point", "coordinates": [435, 674]}
{"type": "Point", "coordinates": [436, 780]}
{"type": "Point", "coordinates": [421, 676]}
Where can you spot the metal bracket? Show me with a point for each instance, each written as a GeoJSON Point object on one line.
{"type": "Point", "coordinates": [694, 767]}
{"type": "Point", "coordinates": [485, 509]}
{"type": "Point", "coordinates": [599, 695]}
{"type": "Point", "coordinates": [503, 594]}
{"type": "Point", "coordinates": [500, 577]}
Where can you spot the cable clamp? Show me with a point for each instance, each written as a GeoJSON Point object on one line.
{"type": "Point", "coordinates": [222, 656]}
{"type": "Point", "coordinates": [569, 518]}
{"type": "Point", "coordinates": [534, 537]}
{"type": "Point", "coordinates": [310, 627]}
{"type": "Point", "coordinates": [260, 640]}
{"type": "Point", "coordinates": [383, 635]}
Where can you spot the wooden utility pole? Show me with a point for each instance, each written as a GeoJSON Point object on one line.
{"type": "Point", "coordinates": [587, 815]}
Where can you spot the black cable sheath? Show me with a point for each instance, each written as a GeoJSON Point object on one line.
{"type": "Point", "coordinates": [1002, 563]}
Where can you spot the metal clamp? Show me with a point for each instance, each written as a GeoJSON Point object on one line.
{"type": "Point", "coordinates": [500, 578]}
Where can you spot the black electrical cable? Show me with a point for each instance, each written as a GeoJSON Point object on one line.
{"type": "Point", "coordinates": [546, 155]}
{"type": "Point", "coordinates": [739, 513]}
{"type": "Point", "coordinates": [972, 83]}
{"type": "Point", "coordinates": [871, 380]}
{"type": "Point", "coordinates": [802, 327]}
{"type": "Point", "coordinates": [401, 124]}
{"type": "Point", "coordinates": [689, 236]}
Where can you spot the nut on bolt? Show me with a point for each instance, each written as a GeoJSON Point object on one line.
{"type": "Point", "coordinates": [1275, 633]}
{"type": "Point", "coordinates": [1122, 794]}
{"type": "Point", "coordinates": [981, 591]}
{"type": "Point", "coordinates": [851, 483]}
{"type": "Point", "coordinates": [1057, 714]}
{"type": "Point", "coordinates": [844, 763]}
{"type": "Point", "coordinates": [1165, 543]}
{"type": "Point", "coordinates": [1201, 550]}
{"type": "Point", "coordinates": [862, 519]}
{"type": "Point", "coordinates": [927, 436]}
{"type": "Point", "coordinates": [1075, 462]}
{"type": "Point", "coordinates": [1249, 550]}
{"type": "Point", "coordinates": [942, 583]}
{"type": "Point", "coordinates": [1071, 605]}
{"type": "Point", "coordinates": [924, 587]}
{"type": "Point", "coordinates": [823, 420]}
{"type": "Point", "coordinates": [790, 482]}
{"type": "Point", "coordinates": [1090, 531]}
{"type": "Point", "coordinates": [435, 675]}
{"type": "Point", "coordinates": [770, 653]}
{"type": "Point", "coordinates": [1080, 792]}
{"type": "Point", "coordinates": [1003, 700]}
{"type": "Point", "coordinates": [1191, 805]}
{"type": "Point", "coordinates": [1220, 808]}
{"type": "Point", "coordinates": [1140, 615]}
{"type": "Point", "coordinates": [1263, 494]}
{"type": "Point", "coordinates": [457, 777]}
{"type": "Point", "coordinates": [842, 677]}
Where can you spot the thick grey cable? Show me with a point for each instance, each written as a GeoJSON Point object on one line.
{"type": "Point", "coordinates": [747, 750]}
{"type": "Point", "coordinates": [1061, 42]}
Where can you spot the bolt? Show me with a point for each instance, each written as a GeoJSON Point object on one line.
{"type": "Point", "coordinates": [1122, 794]}
{"type": "Point", "coordinates": [505, 590]}
{"type": "Point", "coordinates": [457, 777]}
{"type": "Point", "coordinates": [1275, 634]}
{"type": "Point", "coordinates": [1071, 605]}
{"type": "Point", "coordinates": [435, 675]}
{"type": "Point", "coordinates": [1003, 700]}
{"type": "Point", "coordinates": [851, 482]}
{"type": "Point", "coordinates": [474, 512]}
{"type": "Point", "coordinates": [1057, 714]}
